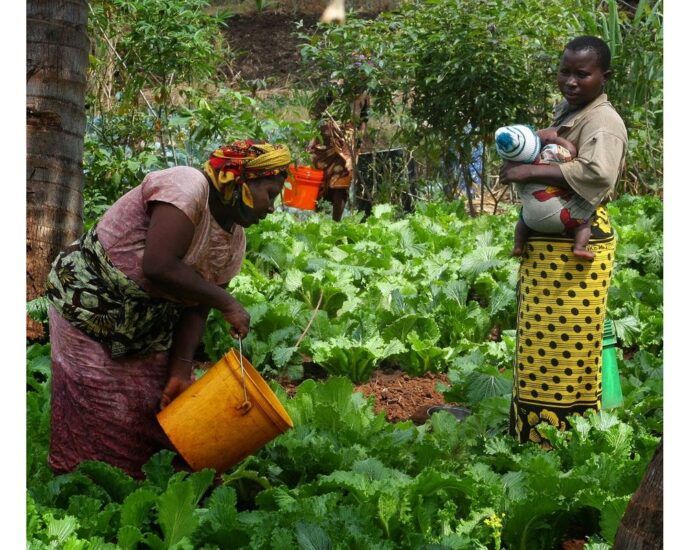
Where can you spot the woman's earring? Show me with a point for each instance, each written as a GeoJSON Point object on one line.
{"type": "Point", "coordinates": [236, 195]}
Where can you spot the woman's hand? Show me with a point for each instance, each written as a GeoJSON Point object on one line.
{"type": "Point", "coordinates": [175, 386]}
{"type": "Point", "coordinates": [238, 318]}
{"type": "Point", "coordinates": [547, 174]}
{"type": "Point", "coordinates": [514, 172]}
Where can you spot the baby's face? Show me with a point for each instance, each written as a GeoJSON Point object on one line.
{"type": "Point", "coordinates": [553, 153]}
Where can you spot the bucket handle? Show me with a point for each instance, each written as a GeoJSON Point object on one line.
{"type": "Point", "coordinates": [246, 405]}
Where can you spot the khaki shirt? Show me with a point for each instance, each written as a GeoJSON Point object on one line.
{"type": "Point", "coordinates": [599, 134]}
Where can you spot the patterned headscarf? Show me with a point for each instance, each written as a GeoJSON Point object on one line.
{"type": "Point", "coordinates": [244, 160]}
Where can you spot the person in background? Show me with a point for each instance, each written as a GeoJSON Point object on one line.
{"type": "Point", "coordinates": [336, 153]}
{"type": "Point", "coordinates": [129, 300]}
{"type": "Point", "coordinates": [334, 12]}
{"type": "Point", "coordinates": [562, 297]}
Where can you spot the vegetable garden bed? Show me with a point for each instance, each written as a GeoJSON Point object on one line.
{"type": "Point", "coordinates": [406, 306]}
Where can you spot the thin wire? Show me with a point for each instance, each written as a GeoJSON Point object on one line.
{"type": "Point", "coordinates": [244, 384]}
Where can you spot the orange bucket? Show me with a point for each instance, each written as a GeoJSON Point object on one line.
{"type": "Point", "coordinates": [306, 183]}
{"type": "Point", "coordinates": [224, 416]}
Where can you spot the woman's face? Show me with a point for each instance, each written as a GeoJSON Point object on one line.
{"type": "Point", "coordinates": [580, 78]}
{"type": "Point", "coordinates": [264, 192]}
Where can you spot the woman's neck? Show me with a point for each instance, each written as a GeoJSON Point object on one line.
{"type": "Point", "coordinates": [220, 211]}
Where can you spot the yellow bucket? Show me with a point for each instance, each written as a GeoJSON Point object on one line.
{"type": "Point", "coordinates": [224, 416]}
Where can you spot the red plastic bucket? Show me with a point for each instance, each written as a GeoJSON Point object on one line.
{"type": "Point", "coordinates": [306, 182]}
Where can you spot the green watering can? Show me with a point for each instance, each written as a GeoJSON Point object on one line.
{"type": "Point", "coordinates": [611, 393]}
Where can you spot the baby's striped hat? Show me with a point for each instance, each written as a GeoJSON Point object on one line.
{"type": "Point", "coordinates": [518, 143]}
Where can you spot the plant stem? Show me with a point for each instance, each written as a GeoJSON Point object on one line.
{"type": "Point", "coordinates": [313, 316]}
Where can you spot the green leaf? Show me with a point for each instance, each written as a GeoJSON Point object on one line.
{"type": "Point", "coordinates": [159, 468]}
{"type": "Point", "coordinates": [481, 260]}
{"type": "Point", "coordinates": [620, 439]}
{"type": "Point", "coordinates": [222, 507]}
{"type": "Point", "coordinates": [38, 361]}
{"type": "Point", "coordinates": [611, 516]}
{"type": "Point", "coordinates": [486, 382]}
{"type": "Point", "coordinates": [116, 482]}
{"type": "Point", "coordinates": [200, 481]}
{"type": "Point", "coordinates": [34, 523]}
{"type": "Point", "coordinates": [626, 329]}
{"type": "Point", "coordinates": [128, 537]}
{"type": "Point", "coordinates": [387, 508]}
{"type": "Point", "coordinates": [153, 541]}
{"type": "Point", "coordinates": [281, 355]}
{"type": "Point", "coordinates": [423, 325]}
{"type": "Point", "coordinates": [604, 420]}
{"type": "Point", "coordinates": [515, 486]}
{"type": "Point", "coordinates": [136, 507]}
{"type": "Point", "coordinates": [311, 537]}
{"type": "Point", "coordinates": [293, 280]}
{"type": "Point", "coordinates": [59, 530]}
{"type": "Point", "coordinates": [176, 512]}
{"type": "Point", "coordinates": [37, 309]}
{"type": "Point", "coordinates": [457, 290]}
{"type": "Point", "coordinates": [86, 508]}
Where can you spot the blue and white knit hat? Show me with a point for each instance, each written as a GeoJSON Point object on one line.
{"type": "Point", "coordinates": [518, 143]}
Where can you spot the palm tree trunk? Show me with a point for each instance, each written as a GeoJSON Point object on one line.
{"type": "Point", "coordinates": [57, 47]}
{"type": "Point", "coordinates": [642, 526]}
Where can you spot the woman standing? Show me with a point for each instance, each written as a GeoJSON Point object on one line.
{"type": "Point", "coordinates": [562, 298]}
{"type": "Point", "coordinates": [336, 153]}
{"type": "Point", "coordinates": [129, 301]}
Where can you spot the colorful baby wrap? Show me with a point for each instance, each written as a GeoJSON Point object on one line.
{"type": "Point", "coordinates": [561, 310]}
{"type": "Point", "coordinates": [550, 209]}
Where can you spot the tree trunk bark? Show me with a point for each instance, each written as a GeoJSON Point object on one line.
{"type": "Point", "coordinates": [642, 526]}
{"type": "Point", "coordinates": [57, 47]}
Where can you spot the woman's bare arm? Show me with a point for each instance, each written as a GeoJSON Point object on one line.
{"type": "Point", "coordinates": [186, 337]}
{"type": "Point", "coordinates": [169, 236]}
{"type": "Point", "coordinates": [548, 174]}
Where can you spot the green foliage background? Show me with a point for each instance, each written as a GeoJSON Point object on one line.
{"type": "Point", "coordinates": [453, 71]}
{"type": "Point", "coordinates": [443, 74]}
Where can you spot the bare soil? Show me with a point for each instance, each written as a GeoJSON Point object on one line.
{"type": "Point", "coordinates": [403, 397]}
{"type": "Point", "coordinates": [574, 544]}
{"type": "Point", "coordinates": [400, 396]}
{"type": "Point", "coordinates": [266, 45]}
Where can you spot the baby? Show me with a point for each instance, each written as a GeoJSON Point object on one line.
{"type": "Point", "coordinates": [546, 209]}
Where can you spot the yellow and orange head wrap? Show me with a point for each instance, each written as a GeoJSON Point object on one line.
{"type": "Point", "coordinates": [244, 160]}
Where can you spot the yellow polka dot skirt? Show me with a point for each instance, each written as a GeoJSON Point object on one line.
{"type": "Point", "coordinates": [561, 311]}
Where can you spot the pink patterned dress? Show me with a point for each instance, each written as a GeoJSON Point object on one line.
{"type": "Point", "coordinates": [103, 408]}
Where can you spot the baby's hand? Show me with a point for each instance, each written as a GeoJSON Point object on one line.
{"type": "Point", "coordinates": [548, 135]}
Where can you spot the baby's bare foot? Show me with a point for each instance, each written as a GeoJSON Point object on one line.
{"type": "Point", "coordinates": [583, 253]}
{"type": "Point", "coordinates": [517, 251]}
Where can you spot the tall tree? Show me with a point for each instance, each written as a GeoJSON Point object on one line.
{"type": "Point", "coordinates": [57, 47]}
{"type": "Point", "coordinates": [642, 526]}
